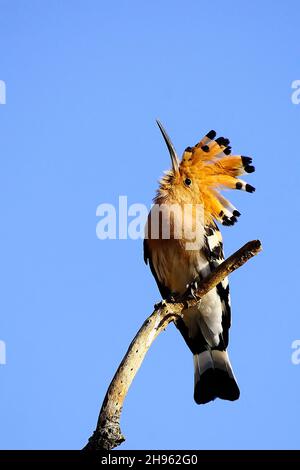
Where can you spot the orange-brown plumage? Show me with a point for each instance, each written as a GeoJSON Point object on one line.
{"type": "Point", "coordinates": [210, 169]}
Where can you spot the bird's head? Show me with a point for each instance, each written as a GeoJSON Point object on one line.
{"type": "Point", "coordinates": [203, 171]}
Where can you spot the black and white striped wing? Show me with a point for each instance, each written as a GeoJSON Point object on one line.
{"type": "Point", "coordinates": [215, 256]}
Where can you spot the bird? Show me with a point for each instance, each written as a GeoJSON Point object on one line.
{"type": "Point", "coordinates": [190, 203]}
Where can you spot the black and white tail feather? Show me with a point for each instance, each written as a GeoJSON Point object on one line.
{"type": "Point", "coordinates": [214, 377]}
{"type": "Point", "coordinates": [213, 374]}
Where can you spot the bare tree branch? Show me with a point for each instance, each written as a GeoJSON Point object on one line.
{"type": "Point", "coordinates": [108, 432]}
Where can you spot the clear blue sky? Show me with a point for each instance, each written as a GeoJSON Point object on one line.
{"type": "Point", "coordinates": [85, 81]}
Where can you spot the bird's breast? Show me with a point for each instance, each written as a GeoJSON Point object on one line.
{"type": "Point", "coordinates": [175, 266]}
{"type": "Point", "coordinates": [175, 236]}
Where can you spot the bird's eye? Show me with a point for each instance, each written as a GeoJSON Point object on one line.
{"type": "Point", "coordinates": [187, 182]}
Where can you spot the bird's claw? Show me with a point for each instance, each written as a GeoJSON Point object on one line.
{"type": "Point", "coordinates": [171, 299]}
{"type": "Point", "coordinates": [160, 304]}
{"type": "Point", "coordinates": [191, 292]}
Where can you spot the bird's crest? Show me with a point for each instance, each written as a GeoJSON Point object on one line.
{"type": "Point", "coordinates": [204, 170]}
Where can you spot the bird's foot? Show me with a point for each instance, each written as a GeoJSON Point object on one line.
{"type": "Point", "coordinates": [171, 299]}
{"type": "Point", "coordinates": [191, 292]}
{"type": "Point", "coordinates": [160, 304]}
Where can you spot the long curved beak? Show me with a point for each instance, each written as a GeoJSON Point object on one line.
{"type": "Point", "coordinates": [172, 151]}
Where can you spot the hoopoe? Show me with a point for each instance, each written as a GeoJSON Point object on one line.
{"type": "Point", "coordinates": [193, 183]}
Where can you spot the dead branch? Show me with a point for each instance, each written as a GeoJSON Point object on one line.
{"type": "Point", "coordinates": [108, 432]}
